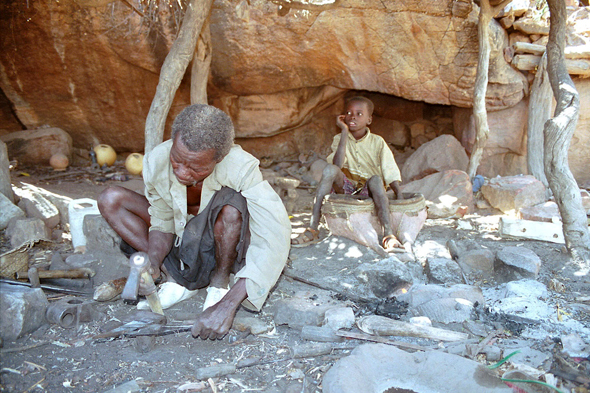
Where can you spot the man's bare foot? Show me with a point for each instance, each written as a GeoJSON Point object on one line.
{"type": "Point", "coordinates": [391, 244]}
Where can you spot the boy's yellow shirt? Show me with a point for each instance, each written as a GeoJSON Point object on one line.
{"type": "Point", "coordinates": [365, 158]}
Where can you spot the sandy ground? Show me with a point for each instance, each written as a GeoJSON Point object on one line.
{"type": "Point", "coordinates": [54, 359]}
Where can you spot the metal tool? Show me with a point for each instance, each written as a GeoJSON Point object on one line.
{"type": "Point", "coordinates": [69, 312]}
{"type": "Point", "coordinates": [140, 263]}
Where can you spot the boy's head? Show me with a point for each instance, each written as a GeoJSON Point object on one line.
{"type": "Point", "coordinates": [361, 99]}
{"type": "Point", "coordinates": [358, 114]}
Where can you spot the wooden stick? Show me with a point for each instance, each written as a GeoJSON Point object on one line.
{"type": "Point", "coordinates": [382, 340]}
{"type": "Point", "coordinates": [25, 348]}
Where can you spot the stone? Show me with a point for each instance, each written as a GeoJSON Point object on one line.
{"type": "Point", "coordinates": [5, 182]}
{"type": "Point", "coordinates": [545, 212]}
{"type": "Point", "coordinates": [515, 263]}
{"type": "Point", "coordinates": [427, 159]}
{"type": "Point", "coordinates": [376, 368]}
{"type": "Point", "coordinates": [22, 309]}
{"type": "Point", "coordinates": [421, 293]}
{"type": "Point", "coordinates": [99, 235]}
{"type": "Point", "coordinates": [505, 150]}
{"type": "Point", "coordinates": [385, 278]}
{"type": "Point", "coordinates": [578, 153]}
{"type": "Point", "coordinates": [421, 321]}
{"type": "Point", "coordinates": [9, 212]}
{"type": "Point", "coordinates": [448, 193]}
{"type": "Point", "coordinates": [477, 264]}
{"type": "Point", "coordinates": [61, 202]}
{"type": "Point", "coordinates": [524, 288]}
{"type": "Point", "coordinates": [511, 193]}
{"type": "Point", "coordinates": [394, 132]}
{"type": "Point", "coordinates": [27, 230]}
{"type": "Point", "coordinates": [445, 310]}
{"type": "Point", "coordinates": [530, 25]}
{"type": "Point", "coordinates": [515, 8]}
{"type": "Point", "coordinates": [254, 325]}
{"type": "Point", "coordinates": [443, 271]}
{"type": "Point", "coordinates": [303, 309]}
{"type": "Point", "coordinates": [339, 318]}
{"type": "Point", "coordinates": [492, 353]}
{"type": "Point", "coordinates": [35, 147]}
{"type": "Point", "coordinates": [36, 205]}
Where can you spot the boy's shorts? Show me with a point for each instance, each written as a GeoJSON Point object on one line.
{"type": "Point", "coordinates": [350, 189]}
{"type": "Point", "coordinates": [192, 262]}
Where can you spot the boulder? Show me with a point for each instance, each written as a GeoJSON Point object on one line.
{"type": "Point", "coordinates": [445, 310]}
{"type": "Point", "coordinates": [506, 141]}
{"type": "Point", "coordinates": [376, 368]}
{"type": "Point", "coordinates": [546, 212]}
{"type": "Point", "coordinates": [448, 193]}
{"type": "Point", "coordinates": [477, 264]}
{"type": "Point", "coordinates": [386, 278]}
{"type": "Point", "coordinates": [27, 230]}
{"type": "Point", "coordinates": [303, 309]}
{"type": "Point", "coordinates": [578, 153]}
{"type": "Point", "coordinates": [35, 147]}
{"type": "Point", "coordinates": [9, 211]}
{"type": "Point", "coordinates": [427, 159]}
{"type": "Point", "coordinates": [5, 182]}
{"type": "Point", "coordinates": [22, 309]}
{"type": "Point", "coordinates": [420, 294]}
{"type": "Point", "coordinates": [339, 318]}
{"type": "Point", "coordinates": [36, 205]}
{"type": "Point", "coordinates": [443, 271]}
{"type": "Point", "coordinates": [516, 263]}
{"type": "Point", "coordinates": [514, 192]}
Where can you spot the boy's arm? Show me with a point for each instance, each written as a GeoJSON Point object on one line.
{"type": "Point", "coordinates": [340, 153]}
{"type": "Point", "coordinates": [395, 186]}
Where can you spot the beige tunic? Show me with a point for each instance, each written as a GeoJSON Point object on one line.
{"type": "Point", "coordinates": [365, 158]}
{"type": "Point", "coordinates": [270, 228]}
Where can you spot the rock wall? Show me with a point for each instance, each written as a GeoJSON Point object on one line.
{"type": "Point", "coordinates": [91, 67]}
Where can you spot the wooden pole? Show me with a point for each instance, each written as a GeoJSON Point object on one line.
{"type": "Point", "coordinates": [173, 70]}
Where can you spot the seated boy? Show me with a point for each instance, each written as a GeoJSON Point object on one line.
{"type": "Point", "coordinates": [361, 164]}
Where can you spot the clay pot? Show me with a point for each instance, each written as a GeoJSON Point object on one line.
{"type": "Point", "coordinates": [59, 162]}
{"type": "Point", "coordinates": [105, 155]}
{"type": "Point", "coordinates": [134, 163]}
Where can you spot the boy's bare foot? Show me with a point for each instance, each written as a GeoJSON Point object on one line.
{"type": "Point", "coordinates": [308, 237]}
{"type": "Point", "coordinates": [391, 244]}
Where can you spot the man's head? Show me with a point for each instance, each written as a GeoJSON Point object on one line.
{"type": "Point", "coordinates": [202, 127]}
{"type": "Point", "coordinates": [358, 113]}
{"type": "Point", "coordinates": [202, 136]}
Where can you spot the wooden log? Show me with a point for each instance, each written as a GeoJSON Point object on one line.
{"type": "Point", "coordinates": [570, 52]}
{"type": "Point", "coordinates": [531, 62]}
{"type": "Point", "coordinates": [382, 326]}
{"type": "Point", "coordinates": [535, 230]}
{"type": "Point", "coordinates": [72, 273]}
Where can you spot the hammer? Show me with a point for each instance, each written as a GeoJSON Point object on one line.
{"type": "Point", "coordinates": [140, 263]}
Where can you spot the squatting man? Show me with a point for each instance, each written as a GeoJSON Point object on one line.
{"type": "Point", "coordinates": [206, 213]}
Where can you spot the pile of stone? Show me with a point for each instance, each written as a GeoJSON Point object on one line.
{"type": "Point", "coordinates": [529, 31]}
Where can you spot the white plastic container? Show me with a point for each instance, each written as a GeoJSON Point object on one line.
{"type": "Point", "coordinates": [77, 209]}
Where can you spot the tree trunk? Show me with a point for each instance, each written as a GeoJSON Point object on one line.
{"type": "Point", "coordinates": [558, 133]}
{"type": "Point", "coordinates": [201, 66]}
{"type": "Point", "coordinates": [539, 113]}
{"type": "Point", "coordinates": [173, 70]}
{"type": "Point", "coordinates": [482, 130]}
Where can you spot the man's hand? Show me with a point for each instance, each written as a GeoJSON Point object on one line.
{"type": "Point", "coordinates": [215, 322]}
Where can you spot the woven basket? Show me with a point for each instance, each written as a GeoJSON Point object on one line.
{"type": "Point", "coordinates": [339, 205]}
{"type": "Point", "coordinates": [356, 219]}
{"type": "Point", "coordinates": [14, 261]}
